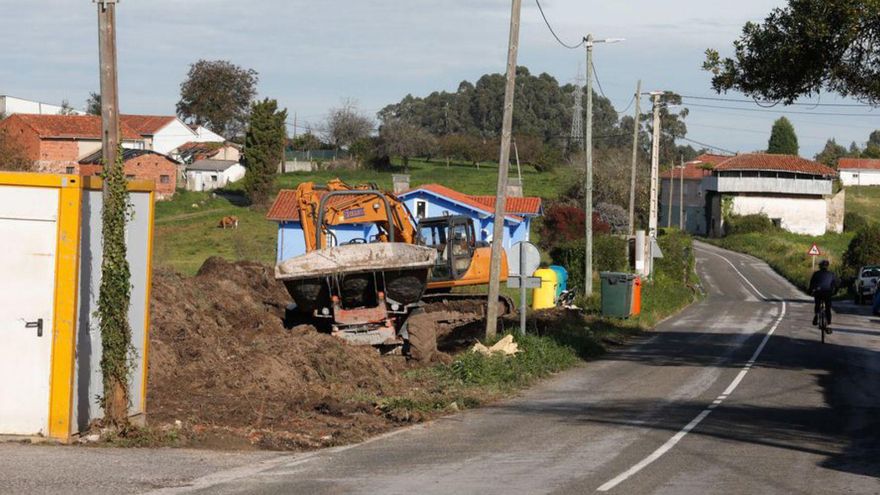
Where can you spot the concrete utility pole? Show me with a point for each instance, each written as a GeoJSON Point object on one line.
{"type": "Point", "coordinates": [589, 41]}
{"type": "Point", "coordinates": [635, 159]}
{"type": "Point", "coordinates": [588, 180]}
{"type": "Point", "coordinates": [671, 190]}
{"type": "Point", "coordinates": [109, 84]}
{"type": "Point", "coordinates": [655, 171]}
{"type": "Point", "coordinates": [681, 195]}
{"type": "Point", "coordinates": [503, 167]}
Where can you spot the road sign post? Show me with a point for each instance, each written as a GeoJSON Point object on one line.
{"type": "Point", "coordinates": [813, 253]}
{"type": "Point", "coordinates": [525, 259]}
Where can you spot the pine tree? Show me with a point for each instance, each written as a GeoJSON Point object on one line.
{"type": "Point", "coordinates": [264, 148]}
{"type": "Point", "coordinates": [783, 140]}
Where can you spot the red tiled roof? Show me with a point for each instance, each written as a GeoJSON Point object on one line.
{"type": "Point", "coordinates": [781, 163]}
{"type": "Point", "coordinates": [147, 125]}
{"type": "Point", "coordinates": [473, 201]}
{"type": "Point", "coordinates": [858, 164]}
{"type": "Point", "coordinates": [70, 126]}
{"type": "Point", "coordinates": [710, 159]}
{"type": "Point", "coordinates": [692, 171]}
{"type": "Point", "coordinates": [518, 206]}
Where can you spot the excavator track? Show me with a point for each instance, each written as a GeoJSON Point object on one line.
{"type": "Point", "coordinates": [450, 311]}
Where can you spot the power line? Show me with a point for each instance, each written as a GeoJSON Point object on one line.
{"type": "Point", "coordinates": [570, 47]}
{"type": "Point", "coordinates": [765, 104]}
{"type": "Point", "coordinates": [789, 112]}
{"type": "Point", "coordinates": [716, 148]}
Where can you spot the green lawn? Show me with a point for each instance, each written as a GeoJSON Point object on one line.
{"type": "Point", "coordinates": [864, 201]}
{"type": "Point", "coordinates": [187, 232]}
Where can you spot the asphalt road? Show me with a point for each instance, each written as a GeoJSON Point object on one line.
{"type": "Point", "coordinates": [734, 395]}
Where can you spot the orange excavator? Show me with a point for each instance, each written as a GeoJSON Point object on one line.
{"type": "Point", "coordinates": [387, 281]}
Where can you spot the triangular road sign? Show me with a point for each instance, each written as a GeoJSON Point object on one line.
{"type": "Point", "coordinates": [814, 251]}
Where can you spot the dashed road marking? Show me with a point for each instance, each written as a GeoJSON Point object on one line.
{"type": "Point", "coordinates": [666, 447]}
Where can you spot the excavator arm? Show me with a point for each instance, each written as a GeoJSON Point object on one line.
{"type": "Point", "coordinates": [344, 205]}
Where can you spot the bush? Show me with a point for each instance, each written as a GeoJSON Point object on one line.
{"type": "Point", "coordinates": [863, 250]}
{"type": "Point", "coordinates": [549, 158]}
{"type": "Point", "coordinates": [854, 222]}
{"type": "Point", "coordinates": [746, 224]}
{"type": "Point", "coordinates": [609, 255]}
{"type": "Point", "coordinates": [564, 222]}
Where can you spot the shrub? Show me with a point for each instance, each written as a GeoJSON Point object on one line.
{"type": "Point", "coordinates": [564, 222]}
{"type": "Point", "coordinates": [854, 222]}
{"type": "Point", "coordinates": [746, 224]}
{"type": "Point", "coordinates": [609, 255]}
{"type": "Point", "coordinates": [863, 250]}
{"type": "Point", "coordinates": [548, 159]}
{"type": "Point", "coordinates": [615, 216]}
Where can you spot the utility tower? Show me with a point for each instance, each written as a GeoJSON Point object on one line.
{"type": "Point", "coordinates": [576, 139]}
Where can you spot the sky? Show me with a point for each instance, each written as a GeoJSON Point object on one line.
{"type": "Point", "coordinates": [311, 55]}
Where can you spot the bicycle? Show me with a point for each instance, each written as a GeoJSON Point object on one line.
{"type": "Point", "coordinates": [823, 323]}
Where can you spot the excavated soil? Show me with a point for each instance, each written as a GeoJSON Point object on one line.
{"type": "Point", "coordinates": [222, 363]}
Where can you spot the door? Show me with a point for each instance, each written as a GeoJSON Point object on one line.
{"type": "Point", "coordinates": [28, 243]}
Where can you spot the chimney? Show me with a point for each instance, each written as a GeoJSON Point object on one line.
{"type": "Point", "coordinates": [401, 183]}
{"type": "Point", "coordinates": [514, 188]}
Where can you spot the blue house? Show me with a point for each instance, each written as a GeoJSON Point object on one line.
{"type": "Point", "coordinates": [430, 200]}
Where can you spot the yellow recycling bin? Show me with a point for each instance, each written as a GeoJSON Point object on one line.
{"type": "Point", "coordinates": [545, 296]}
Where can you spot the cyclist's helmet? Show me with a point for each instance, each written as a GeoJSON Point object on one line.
{"type": "Point", "coordinates": [824, 264]}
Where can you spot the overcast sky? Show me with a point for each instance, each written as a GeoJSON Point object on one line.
{"type": "Point", "coordinates": [312, 54]}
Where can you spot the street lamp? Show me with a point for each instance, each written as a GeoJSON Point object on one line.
{"type": "Point", "coordinates": [589, 41]}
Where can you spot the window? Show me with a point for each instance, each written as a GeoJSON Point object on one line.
{"type": "Point", "coordinates": [421, 209]}
{"type": "Point", "coordinates": [70, 170]}
{"type": "Point", "coordinates": [129, 177]}
{"type": "Point", "coordinates": [164, 179]}
{"type": "Point", "coordinates": [214, 178]}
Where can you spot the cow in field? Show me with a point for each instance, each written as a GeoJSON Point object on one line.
{"type": "Point", "coordinates": [230, 222]}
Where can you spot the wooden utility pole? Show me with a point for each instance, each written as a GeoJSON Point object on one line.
{"type": "Point", "coordinates": [635, 159]}
{"type": "Point", "coordinates": [588, 179]}
{"type": "Point", "coordinates": [109, 84]}
{"type": "Point", "coordinates": [503, 167]}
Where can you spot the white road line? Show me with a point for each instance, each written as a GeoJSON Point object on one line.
{"type": "Point", "coordinates": [666, 447]}
{"type": "Point", "coordinates": [747, 281]}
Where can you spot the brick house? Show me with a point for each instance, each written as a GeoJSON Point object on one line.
{"type": "Point", "coordinates": [140, 165]}
{"type": "Point", "coordinates": [56, 143]}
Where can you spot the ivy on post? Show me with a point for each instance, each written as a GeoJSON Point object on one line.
{"type": "Point", "coordinates": [114, 296]}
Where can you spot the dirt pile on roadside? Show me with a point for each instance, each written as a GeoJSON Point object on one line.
{"type": "Point", "coordinates": [221, 360]}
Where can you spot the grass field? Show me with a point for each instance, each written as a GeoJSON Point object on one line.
{"type": "Point", "coordinates": [864, 201]}
{"type": "Point", "coordinates": [187, 232]}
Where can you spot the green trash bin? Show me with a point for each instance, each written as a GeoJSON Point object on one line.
{"type": "Point", "coordinates": [617, 294]}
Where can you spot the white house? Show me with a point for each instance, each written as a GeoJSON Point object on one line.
{"type": "Point", "coordinates": [162, 133]}
{"type": "Point", "coordinates": [205, 135]}
{"type": "Point", "coordinates": [11, 105]}
{"type": "Point", "coordinates": [795, 193]}
{"type": "Point", "coordinates": [207, 175]}
{"type": "Point", "coordinates": [859, 171]}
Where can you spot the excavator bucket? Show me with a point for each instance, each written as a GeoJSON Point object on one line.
{"type": "Point", "coordinates": [357, 274]}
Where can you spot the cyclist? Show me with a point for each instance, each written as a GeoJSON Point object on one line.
{"type": "Point", "coordinates": [823, 285]}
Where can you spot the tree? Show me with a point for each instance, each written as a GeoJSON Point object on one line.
{"type": "Point", "coordinates": [403, 139]}
{"type": "Point", "coordinates": [93, 104]}
{"type": "Point", "coordinates": [218, 94]}
{"type": "Point", "coordinates": [803, 48]}
{"type": "Point", "coordinates": [831, 153]}
{"type": "Point", "coordinates": [872, 150]}
{"type": "Point", "coordinates": [863, 250]}
{"type": "Point", "coordinates": [66, 109]}
{"type": "Point", "coordinates": [264, 145]}
{"type": "Point", "coordinates": [783, 140]}
{"type": "Point", "coordinates": [11, 157]}
{"type": "Point", "coordinates": [346, 124]}
{"type": "Point", "coordinates": [308, 141]}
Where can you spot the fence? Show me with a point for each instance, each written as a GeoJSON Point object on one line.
{"type": "Point", "coordinates": [320, 155]}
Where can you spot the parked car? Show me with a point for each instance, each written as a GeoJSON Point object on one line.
{"type": "Point", "coordinates": [866, 283]}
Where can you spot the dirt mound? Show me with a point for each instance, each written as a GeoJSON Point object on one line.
{"type": "Point", "coordinates": [221, 359]}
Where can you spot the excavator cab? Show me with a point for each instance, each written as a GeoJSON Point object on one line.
{"type": "Point", "coordinates": [461, 259]}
